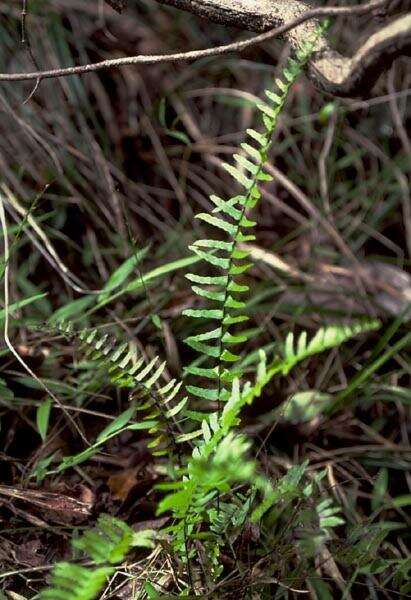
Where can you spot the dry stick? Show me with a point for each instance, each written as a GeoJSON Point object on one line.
{"type": "Point", "coordinates": [9, 345]}
{"type": "Point", "coordinates": [25, 41]}
{"type": "Point", "coordinates": [334, 73]}
{"type": "Point", "coordinates": [195, 54]}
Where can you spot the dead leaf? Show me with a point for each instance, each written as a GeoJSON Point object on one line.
{"type": "Point", "coordinates": [122, 483]}
{"type": "Point", "coordinates": [29, 554]}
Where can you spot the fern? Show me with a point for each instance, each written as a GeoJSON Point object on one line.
{"type": "Point", "coordinates": [106, 545]}
{"type": "Point", "coordinates": [295, 351]}
{"type": "Point", "coordinates": [157, 400]}
{"type": "Point", "coordinates": [229, 217]}
{"type": "Point", "coordinates": [326, 338]}
{"type": "Point", "coordinates": [220, 459]}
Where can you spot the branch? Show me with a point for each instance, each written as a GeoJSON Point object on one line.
{"type": "Point", "coordinates": [331, 71]}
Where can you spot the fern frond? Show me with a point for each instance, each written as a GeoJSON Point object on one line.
{"type": "Point", "coordinates": [158, 402]}
{"type": "Point", "coordinates": [107, 544]}
{"type": "Point", "coordinates": [219, 459]}
{"type": "Point", "coordinates": [326, 338]}
{"type": "Point", "coordinates": [74, 582]}
{"type": "Point", "coordinates": [222, 292]}
{"type": "Point", "coordinates": [294, 352]}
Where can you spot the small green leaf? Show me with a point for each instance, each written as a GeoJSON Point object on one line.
{"type": "Point", "coordinates": [217, 280]}
{"type": "Point", "coordinates": [251, 151]}
{"type": "Point", "coordinates": [120, 275]}
{"type": "Point", "coordinates": [116, 425]}
{"type": "Point", "coordinates": [228, 356]}
{"type": "Point", "coordinates": [216, 261]}
{"type": "Point", "coordinates": [380, 489]}
{"type": "Point", "coordinates": [275, 98]}
{"type": "Point", "coordinates": [239, 176]}
{"type": "Point", "coordinates": [210, 295]}
{"type": "Point", "coordinates": [215, 245]}
{"type": "Point", "coordinates": [172, 412]}
{"type": "Point", "coordinates": [258, 137]}
{"type": "Point", "coordinates": [219, 223]}
{"type": "Point", "coordinates": [239, 269]}
{"type": "Point", "coordinates": [331, 522]}
{"type": "Point", "coordinates": [204, 393]}
{"type": "Point", "coordinates": [201, 348]}
{"type": "Point", "coordinates": [201, 372]}
{"type": "Point", "coordinates": [197, 313]}
{"type": "Point", "coordinates": [155, 319]}
{"type": "Point", "coordinates": [227, 207]}
{"type": "Point", "coordinates": [43, 417]}
{"type": "Point", "coordinates": [246, 164]}
{"type": "Point", "coordinates": [151, 591]}
{"type": "Point", "coordinates": [230, 339]}
{"type": "Point", "coordinates": [230, 320]}
{"type": "Point", "coordinates": [304, 406]}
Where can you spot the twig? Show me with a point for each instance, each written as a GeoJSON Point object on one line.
{"type": "Point", "coordinates": [195, 54]}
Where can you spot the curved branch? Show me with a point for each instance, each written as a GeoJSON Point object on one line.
{"type": "Point", "coordinates": [355, 76]}
{"type": "Point", "coordinates": [331, 71]}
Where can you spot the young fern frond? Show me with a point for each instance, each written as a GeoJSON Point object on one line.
{"type": "Point", "coordinates": [326, 338]}
{"type": "Point", "coordinates": [295, 351]}
{"type": "Point", "coordinates": [216, 432]}
{"type": "Point", "coordinates": [106, 545]}
{"type": "Point", "coordinates": [223, 291]}
{"type": "Point", "coordinates": [74, 582]}
{"type": "Point", "coordinates": [157, 400]}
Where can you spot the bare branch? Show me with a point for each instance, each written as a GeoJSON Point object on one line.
{"type": "Point", "coordinates": [331, 71]}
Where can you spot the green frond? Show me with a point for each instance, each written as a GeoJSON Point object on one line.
{"type": "Point", "coordinates": [248, 171]}
{"type": "Point", "coordinates": [294, 352]}
{"type": "Point", "coordinates": [126, 369]}
{"type": "Point", "coordinates": [106, 544]}
{"type": "Point", "coordinates": [326, 338]}
{"type": "Point", "coordinates": [74, 582]}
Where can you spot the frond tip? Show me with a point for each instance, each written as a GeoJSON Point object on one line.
{"type": "Point", "coordinates": [326, 338]}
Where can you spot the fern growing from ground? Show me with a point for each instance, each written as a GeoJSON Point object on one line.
{"type": "Point", "coordinates": [216, 486]}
